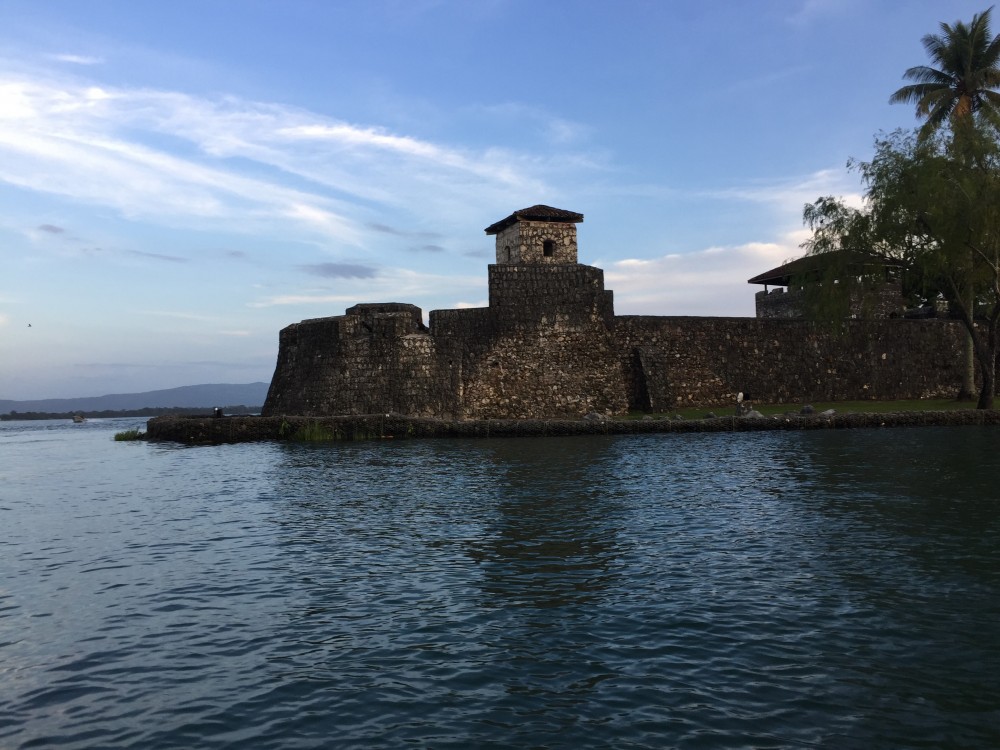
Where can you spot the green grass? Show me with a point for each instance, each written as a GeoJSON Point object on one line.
{"type": "Point", "coordinates": [314, 432]}
{"type": "Point", "coordinates": [841, 407]}
{"type": "Point", "coordinates": [129, 435]}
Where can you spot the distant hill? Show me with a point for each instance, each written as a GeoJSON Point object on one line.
{"type": "Point", "coordinates": [199, 396]}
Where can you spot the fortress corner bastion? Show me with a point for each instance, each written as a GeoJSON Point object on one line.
{"type": "Point", "coordinates": [549, 345]}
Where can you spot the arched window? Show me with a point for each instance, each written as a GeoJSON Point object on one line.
{"type": "Point", "coordinates": [548, 247]}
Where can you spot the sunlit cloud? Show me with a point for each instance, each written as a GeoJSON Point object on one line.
{"type": "Point", "coordinates": [708, 282]}
{"type": "Point", "coordinates": [240, 165]}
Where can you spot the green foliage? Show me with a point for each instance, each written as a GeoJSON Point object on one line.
{"type": "Point", "coordinates": [958, 88]}
{"type": "Point", "coordinates": [933, 203]}
{"type": "Point", "coordinates": [932, 198]}
{"type": "Point", "coordinates": [129, 435]}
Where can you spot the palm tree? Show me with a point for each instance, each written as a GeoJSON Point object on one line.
{"type": "Point", "coordinates": [963, 83]}
{"type": "Point", "coordinates": [957, 92]}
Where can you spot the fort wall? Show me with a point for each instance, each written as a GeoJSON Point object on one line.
{"type": "Point", "coordinates": [550, 346]}
{"type": "Point", "coordinates": [683, 361]}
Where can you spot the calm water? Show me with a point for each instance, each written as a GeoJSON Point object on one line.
{"type": "Point", "coordinates": [821, 589]}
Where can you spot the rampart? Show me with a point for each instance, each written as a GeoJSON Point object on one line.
{"type": "Point", "coordinates": [684, 361]}
{"type": "Point", "coordinates": [550, 346]}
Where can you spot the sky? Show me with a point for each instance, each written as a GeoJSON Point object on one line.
{"type": "Point", "coordinates": [180, 181]}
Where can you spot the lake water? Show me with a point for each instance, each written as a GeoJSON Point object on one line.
{"type": "Point", "coordinates": [762, 590]}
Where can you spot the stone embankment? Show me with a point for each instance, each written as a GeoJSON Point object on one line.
{"type": "Point", "coordinates": [215, 430]}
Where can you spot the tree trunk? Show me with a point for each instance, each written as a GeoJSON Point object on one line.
{"type": "Point", "coordinates": [988, 388]}
{"type": "Point", "coordinates": [986, 343]}
{"type": "Point", "coordinates": [967, 390]}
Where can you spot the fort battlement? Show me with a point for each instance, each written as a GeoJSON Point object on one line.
{"type": "Point", "coordinates": [549, 345]}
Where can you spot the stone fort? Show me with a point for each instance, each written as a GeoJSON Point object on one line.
{"type": "Point", "coordinates": [549, 345]}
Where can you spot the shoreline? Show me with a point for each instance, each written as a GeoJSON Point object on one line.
{"type": "Point", "coordinates": [208, 430]}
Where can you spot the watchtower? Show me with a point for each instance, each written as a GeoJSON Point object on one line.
{"type": "Point", "coordinates": [537, 235]}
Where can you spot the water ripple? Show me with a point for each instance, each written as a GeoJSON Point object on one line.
{"type": "Point", "coordinates": [690, 591]}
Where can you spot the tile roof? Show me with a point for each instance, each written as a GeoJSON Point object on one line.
{"type": "Point", "coordinates": [535, 213]}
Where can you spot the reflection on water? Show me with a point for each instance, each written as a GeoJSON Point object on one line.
{"type": "Point", "coordinates": [831, 589]}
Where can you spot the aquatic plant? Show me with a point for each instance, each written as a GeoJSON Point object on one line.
{"type": "Point", "coordinates": [316, 432]}
{"type": "Point", "coordinates": [133, 434]}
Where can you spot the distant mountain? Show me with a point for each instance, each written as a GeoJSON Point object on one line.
{"type": "Point", "coordinates": [199, 396]}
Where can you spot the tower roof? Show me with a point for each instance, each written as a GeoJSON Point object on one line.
{"type": "Point", "coordinates": [812, 266]}
{"type": "Point", "coordinates": [536, 213]}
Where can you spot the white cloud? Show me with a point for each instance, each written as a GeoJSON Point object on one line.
{"type": "Point", "coordinates": [791, 195]}
{"type": "Point", "coordinates": [709, 282]}
{"type": "Point", "coordinates": [468, 305]}
{"type": "Point", "coordinates": [389, 285]}
{"type": "Point", "coordinates": [77, 59]}
{"type": "Point", "coordinates": [238, 164]}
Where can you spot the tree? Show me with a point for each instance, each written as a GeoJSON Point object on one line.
{"type": "Point", "coordinates": [934, 203]}
{"type": "Point", "coordinates": [958, 93]}
{"type": "Point", "coordinates": [961, 88]}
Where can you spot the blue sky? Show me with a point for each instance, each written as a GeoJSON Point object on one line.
{"type": "Point", "coordinates": [179, 181]}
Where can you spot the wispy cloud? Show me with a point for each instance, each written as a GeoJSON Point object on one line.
{"type": "Point", "coordinates": [50, 229]}
{"type": "Point", "coordinates": [416, 287]}
{"type": "Point", "coordinates": [386, 229]}
{"type": "Point", "coordinates": [178, 315]}
{"type": "Point", "coordinates": [795, 192]}
{"type": "Point", "coordinates": [304, 299]}
{"type": "Point", "coordinates": [339, 270]}
{"type": "Point", "coordinates": [242, 165]}
{"type": "Point", "coordinates": [556, 130]}
{"type": "Point", "coordinates": [77, 59]}
{"type": "Point", "coordinates": [157, 256]}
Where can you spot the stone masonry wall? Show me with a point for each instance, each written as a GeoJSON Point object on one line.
{"type": "Point", "coordinates": [376, 358]}
{"type": "Point", "coordinates": [542, 348]}
{"type": "Point", "coordinates": [550, 346]}
{"type": "Point", "coordinates": [523, 242]}
{"type": "Point", "coordinates": [778, 303]}
{"type": "Point", "coordinates": [672, 362]}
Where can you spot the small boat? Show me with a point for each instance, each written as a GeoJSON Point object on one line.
{"type": "Point", "coordinates": [79, 418]}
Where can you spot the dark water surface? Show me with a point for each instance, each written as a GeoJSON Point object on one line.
{"type": "Point", "coordinates": [759, 590]}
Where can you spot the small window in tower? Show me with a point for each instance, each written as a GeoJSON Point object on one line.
{"type": "Point", "coordinates": [548, 247]}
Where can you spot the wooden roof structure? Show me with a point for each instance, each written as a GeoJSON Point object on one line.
{"type": "Point", "coordinates": [536, 213]}
{"type": "Point", "coordinates": [812, 267]}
